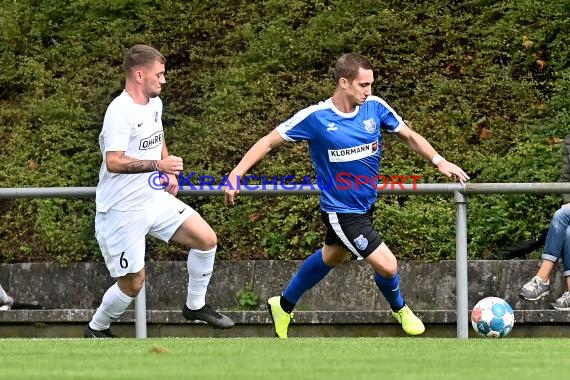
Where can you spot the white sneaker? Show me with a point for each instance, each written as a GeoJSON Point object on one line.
{"type": "Point", "coordinates": [562, 303]}
{"type": "Point", "coordinates": [535, 289]}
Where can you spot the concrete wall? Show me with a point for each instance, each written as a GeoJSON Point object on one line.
{"type": "Point", "coordinates": [349, 287]}
{"type": "Point", "coordinates": [346, 303]}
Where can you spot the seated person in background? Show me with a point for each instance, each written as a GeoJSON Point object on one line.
{"type": "Point", "coordinates": [557, 246]}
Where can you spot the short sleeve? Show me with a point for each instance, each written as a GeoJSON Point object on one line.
{"type": "Point", "coordinates": [299, 127]}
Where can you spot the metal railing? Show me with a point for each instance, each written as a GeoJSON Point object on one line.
{"type": "Point", "coordinates": [460, 197]}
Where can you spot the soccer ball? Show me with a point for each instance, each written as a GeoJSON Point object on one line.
{"type": "Point", "coordinates": [492, 317]}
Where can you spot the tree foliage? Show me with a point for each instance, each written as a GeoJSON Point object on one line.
{"type": "Point", "coordinates": [486, 81]}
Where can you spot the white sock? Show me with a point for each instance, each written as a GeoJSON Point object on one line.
{"type": "Point", "coordinates": [200, 265]}
{"type": "Point", "coordinates": [113, 305]}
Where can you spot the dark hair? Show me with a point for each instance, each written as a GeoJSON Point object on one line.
{"type": "Point", "coordinates": [347, 66]}
{"type": "Point", "coordinates": [141, 55]}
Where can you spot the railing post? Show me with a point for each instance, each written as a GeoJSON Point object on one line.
{"type": "Point", "coordinates": [461, 265]}
{"type": "Point", "coordinates": [140, 313]}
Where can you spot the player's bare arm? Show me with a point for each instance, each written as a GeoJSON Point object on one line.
{"type": "Point", "coordinates": [421, 146]}
{"type": "Point", "coordinates": [259, 150]}
{"type": "Point", "coordinates": [118, 162]}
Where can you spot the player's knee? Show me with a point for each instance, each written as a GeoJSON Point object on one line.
{"type": "Point", "coordinates": [208, 242]}
{"type": "Point", "coordinates": [387, 267]}
{"type": "Point", "coordinates": [333, 256]}
{"type": "Point", "coordinates": [132, 290]}
{"type": "Point", "coordinates": [561, 216]}
{"type": "Point", "coordinates": [390, 265]}
{"type": "Point", "coordinates": [135, 289]}
{"type": "Point", "coordinates": [211, 241]}
{"type": "Point", "coordinates": [132, 283]}
{"type": "Point", "coordinates": [333, 261]}
{"type": "Point", "coordinates": [391, 269]}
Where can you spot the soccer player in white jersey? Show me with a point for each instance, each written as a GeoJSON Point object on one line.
{"type": "Point", "coordinates": [345, 145]}
{"type": "Point", "coordinates": [129, 205]}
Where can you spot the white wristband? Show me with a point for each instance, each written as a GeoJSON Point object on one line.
{"type": "Point", "coordinates": [437, 159]}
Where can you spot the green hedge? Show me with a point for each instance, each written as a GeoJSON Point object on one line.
{"type": "Point", "coordinates": [485, 81]}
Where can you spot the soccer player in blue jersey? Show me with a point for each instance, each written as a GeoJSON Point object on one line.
{"type": "Point", "coordinates": [345, 141]}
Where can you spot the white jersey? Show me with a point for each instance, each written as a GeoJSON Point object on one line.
{"type": "Point", "coordinates": [136, 130]}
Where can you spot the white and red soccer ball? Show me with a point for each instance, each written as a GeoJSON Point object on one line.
{"type": "Point", "coordinates": [492, 317]}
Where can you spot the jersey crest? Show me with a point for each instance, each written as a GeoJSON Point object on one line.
{"type": "Point", "coordinates": [361, 242]}
{"type": "Point", "coordinates": [370, 125]}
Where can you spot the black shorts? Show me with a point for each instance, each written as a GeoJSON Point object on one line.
{"type": "Point", "coordinates": [355, 232]}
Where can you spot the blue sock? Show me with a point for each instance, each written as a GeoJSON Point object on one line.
{"type": "Point", "coordinates": [390, 288]}
{"type": "Point", "coordinates": [309, 274]}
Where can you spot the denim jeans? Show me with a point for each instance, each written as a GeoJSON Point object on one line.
{"type": "Point", "coordinates": [558, 239]}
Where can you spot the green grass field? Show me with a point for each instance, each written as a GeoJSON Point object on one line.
{"type": "Point", "coordinates": [297, 358]}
